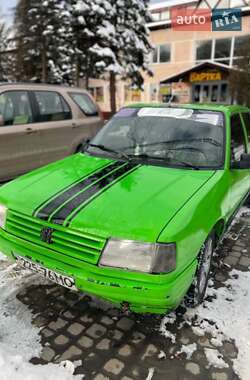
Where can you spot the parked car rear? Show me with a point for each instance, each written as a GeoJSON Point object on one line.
{"type": "Point", "coordinates": [43, 123]}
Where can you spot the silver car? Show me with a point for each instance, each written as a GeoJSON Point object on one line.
{"type": "Point", "coordinates": [43, 123]}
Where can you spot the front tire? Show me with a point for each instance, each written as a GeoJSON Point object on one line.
{"type": "Point", "coordinates": [247, 203]}
{"type": "Point", "coordinates": [197, 291]}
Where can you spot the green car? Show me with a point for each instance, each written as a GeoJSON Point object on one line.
{"type": "Point", "coordinates": [135, 218]}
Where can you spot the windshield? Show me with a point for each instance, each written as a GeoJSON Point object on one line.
{"type": "Point", "coordinates": [165, 136]}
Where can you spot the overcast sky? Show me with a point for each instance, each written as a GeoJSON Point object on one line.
{"type": "Point", "coordinates": [7, 5]}
{"type": "Point", "coordinates": [6, 8]}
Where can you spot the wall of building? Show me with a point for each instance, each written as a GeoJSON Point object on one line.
{"type": "Point", "coordinates": [182, 57]}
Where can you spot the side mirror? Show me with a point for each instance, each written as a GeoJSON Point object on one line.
{"type": "Point", "coordinates": [244, 162]}
{"type": "Point", "coordinates": [1, 121]}
{"type": "Point", "coordinates": [86, 143]}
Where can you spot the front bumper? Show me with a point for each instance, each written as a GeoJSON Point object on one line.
{"type": "Point", "coordinates": [142, 293]}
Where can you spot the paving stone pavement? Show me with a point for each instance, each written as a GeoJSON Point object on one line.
{"type": "Point", "coordinates": [109, 344]}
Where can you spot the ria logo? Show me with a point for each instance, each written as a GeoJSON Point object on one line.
{"type": "Point", "coordinates": [226, 19]}
{"type": "Point", "coordinates": [46, 235]}
{"type": "Point", "coordinates": [184, 18]}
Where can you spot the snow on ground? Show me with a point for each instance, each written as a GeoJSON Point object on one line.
{"type": "Point", "coordinates": [215, 359]}
{"type": "Point", "coordinates": [188, 349]}
{"type": "Point", "coordinates": [225, 317]}
{"type": "Point", "coordinates": [2, 257]}
{"type": "Point", "coordinates": [231, 313]}
{"type": "Point", "coordinates": [19, 339]}
{"type": "Point", "coordinates": [13, 367]}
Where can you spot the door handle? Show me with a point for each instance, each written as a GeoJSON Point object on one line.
{"type": "Point", "coordinates": [30, 131]}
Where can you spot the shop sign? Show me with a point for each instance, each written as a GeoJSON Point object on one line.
{"type": "Point", "coordinates": [182, 91]}
{"type": "Point", "coordinates": [227, 19]}
{"type": "Point", "coordinates": [205, 76]}
{"type": "Point", "coordinates": [165, 89]}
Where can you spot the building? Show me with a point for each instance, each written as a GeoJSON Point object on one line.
{"type": "Point", "coordinates": [187, 65]}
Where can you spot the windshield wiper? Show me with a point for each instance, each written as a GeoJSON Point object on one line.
{"type": "Point", "coordinates": [205, 140]}
{"type": "Point", "coordinates": [110, 150]}
{"type": "Point", "coordinates": [186, 164]}
{"type": "Point", "coordinates": [147, 157]}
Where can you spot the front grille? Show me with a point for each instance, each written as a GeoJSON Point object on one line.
{"type": "Point", "coordinates": [69, 246]}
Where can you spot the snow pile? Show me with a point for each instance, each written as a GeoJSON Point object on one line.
{"type": "Point", "coordinates": [16, 331]}
{"type": "Point", "coordinates": [13, 367]}
{"type": "Point", "coordinates": [214, 358]}
{"type": "Point", "coordinates": [2, 257]}
{"type": "Point", "coordinates": [226, 317]}
{"type": "Point", "coordinates": [168, 319]}
{"type": "Point", "coordinates": [230, 312]}
{"type": "Point", "coordinates": [188, 349]}
{"type": "Point", "coordinates": [19, 339]}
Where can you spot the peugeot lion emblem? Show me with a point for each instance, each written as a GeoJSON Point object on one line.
{"type": "Point", "coordinates": [46, 235]}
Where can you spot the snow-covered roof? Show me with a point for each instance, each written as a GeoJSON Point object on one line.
{"type": "Point", "coordinates": [200, 65]}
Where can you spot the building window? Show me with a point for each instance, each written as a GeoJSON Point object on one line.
{"type": "Point", "coordinates": [219, 50]}
{"type": "Point", "coordinates": [164, 53]}
{"type": "Point", "coordinates": [97, 93]}
{"type": "Point", "coordinates": [161, 54]}
{"type": "Point", "coordinates": [240, 44]}
{"type": "Point", "coordinates": [156, 16]}
{"type": "Point", "coordinates": [165, 15]}
{"type": "Point", "coordinates": [223, 50]}
{"type": "Point", "coordinates": [215, 92]}
{"type": "Point", "coordinates": [161, 16]}
{"type": "Point", "coordinates": [224, 93]}
{"type": "Point", "coordinates": [204, 50]}
{"type": "Point", "coordinates": [155, 55]}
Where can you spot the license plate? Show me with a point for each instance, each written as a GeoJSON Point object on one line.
{"type": "Point", "coordinates": [67, 282]}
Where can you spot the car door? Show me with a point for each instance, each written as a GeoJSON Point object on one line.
{"type": "Point", "coordinates": [54, 121]}
{"type": "Point", "coordinates": [240, 178]}
{"type": "Point", "coordinates": [19, 138]}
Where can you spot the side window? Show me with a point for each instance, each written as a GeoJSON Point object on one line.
{"type": "Point", "coordinates": [51, 106]}
{"type": "Point", "coordinates": [85, 103]}
{"type": "Point", "coordinates": [15, 108]}
{"type": "Point", "coordinates": [246, 118]}
{"type": "Point", "coordinates": [238, 142]}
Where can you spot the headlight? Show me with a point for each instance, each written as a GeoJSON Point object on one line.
{"type": "Point", "coordinates": [3, 215]}
{"type": "Point", "coordinates": [139, 256]}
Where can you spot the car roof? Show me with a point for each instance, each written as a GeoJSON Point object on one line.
{"type": "Point", "coordinates": [205, 106]}
{"type": "Point", "coordinates": [40, 85]}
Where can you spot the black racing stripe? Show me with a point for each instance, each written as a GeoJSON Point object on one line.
{"type": "Point", "coordinates": [35, 212]}
{"type": "Point", "coordinates": [95, 189]}
{"type": "Point", "coordinates": [45, 212]}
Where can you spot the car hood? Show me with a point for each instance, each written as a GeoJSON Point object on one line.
{"type": "Point", "coordinates": [118, 199]}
